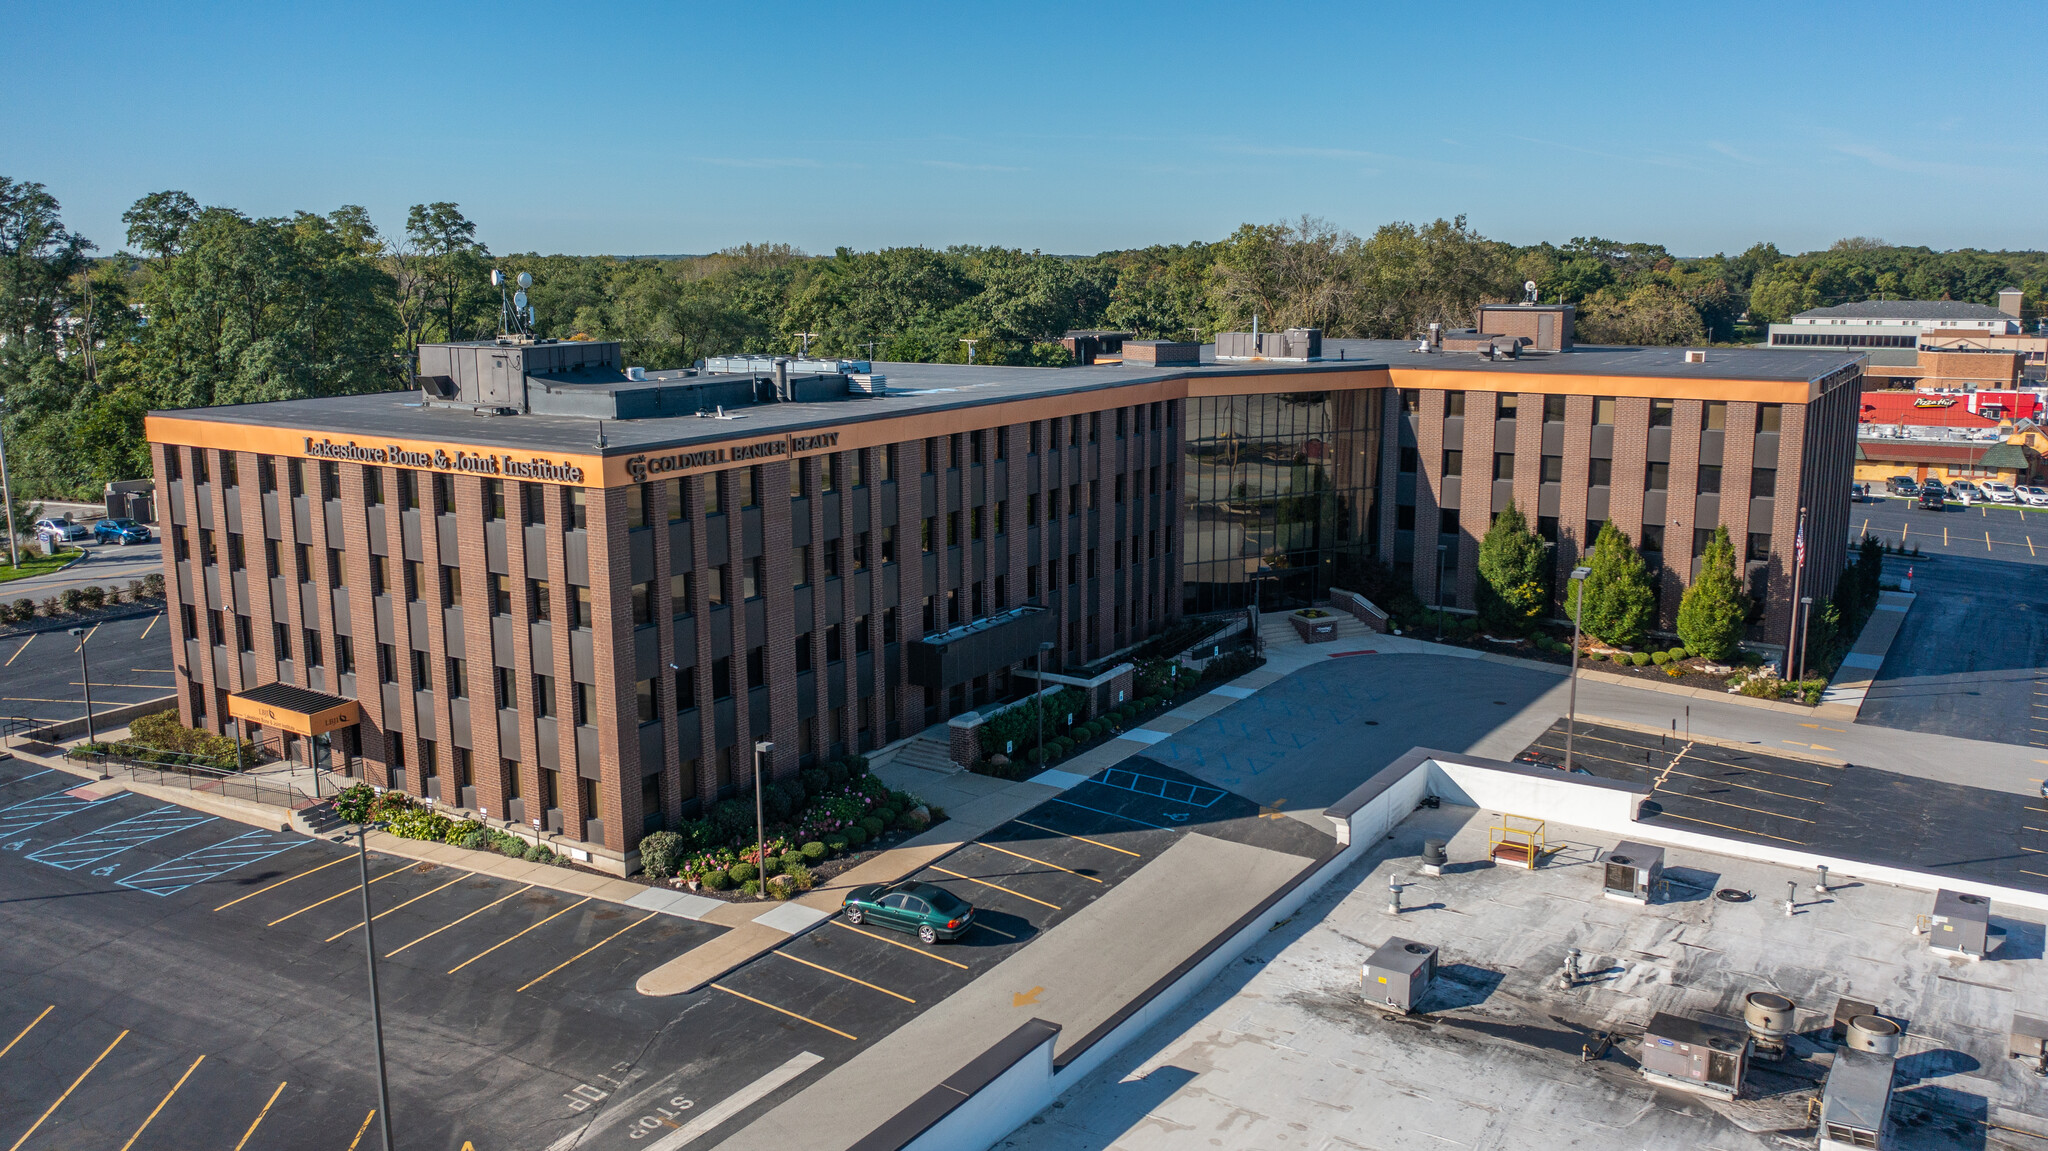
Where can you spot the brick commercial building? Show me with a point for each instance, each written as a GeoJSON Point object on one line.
{"type": "Point", "coordinates": [572, 594]}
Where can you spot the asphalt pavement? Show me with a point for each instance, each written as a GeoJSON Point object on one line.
{"type": "Point", "coordinates": [1971, 659]}
{"type": "Point", "coordinates": [130, 661]}
{"type": "Point", "coordinates": [2005, 532]}
{"type": "Point", "coordinates": [104, 565]}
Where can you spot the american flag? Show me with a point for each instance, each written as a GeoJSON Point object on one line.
{"type": "Point", "coordinates": [1799, 545]}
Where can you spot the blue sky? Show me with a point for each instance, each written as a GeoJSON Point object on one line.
{"type": "Point", "coordinates": [635, 128]}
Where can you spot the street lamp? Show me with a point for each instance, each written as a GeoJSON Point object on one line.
{"type": "Point", "coordinates": [761, 750]}
{"type": "Point", "coordinates": [1571, 722]}
{"type": "Point", "coordinates": [1044, 645]}
{"type": "Point", "coordinates": [85, 680]}
{"type": "Point", "coordinates": [376, 1008]}
{"type": "Point", "coordinates": [1442, 550]}
{"type": "Point", "coordinates": [1805, 631]}
{"type": "Point", "coordinates": [7, 492]}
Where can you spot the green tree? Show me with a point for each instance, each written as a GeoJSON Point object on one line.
{"type": "Point", "coordinates": [1712, 613]}
{"type": "Point", "coordinates": [1514, 567]}
{"type": "Point", "coordinates": [1620, 602]}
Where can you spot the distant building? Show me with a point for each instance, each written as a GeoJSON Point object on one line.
{"type": "Point", "coordinates": [1897, 323]}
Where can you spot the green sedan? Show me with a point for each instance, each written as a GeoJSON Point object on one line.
{"type": "Point", "coordinates": [926, 908]}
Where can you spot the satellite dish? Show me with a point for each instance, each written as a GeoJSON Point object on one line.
{"type": "Point", "coordinates": [1527, 285]}
{"type": "Point", "coordinates": [497, 278]}
{"type": "Point", "coordinates": [519, 301]}
{"type": "Point", "coordinates": [526, 280]}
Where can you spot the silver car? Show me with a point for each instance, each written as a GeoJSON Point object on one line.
{"type": "Point", "coordinates": [63, 531]}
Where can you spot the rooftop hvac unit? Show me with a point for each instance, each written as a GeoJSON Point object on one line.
{"type": "Point", "coordinates": [2030, 1039]}
{"type": "Point", "coordinates": [1872, 1033]}
{"type": "Point", "coordinates": [1960, 925]}
{"type": "Point", "coordinates": [1399, 973]}
{"type": "Point", "coordinates": [1768, 1016]}
{"type": "Point", "coordinates": [1845, 1010]}
{"type": "Point", "coordinates": [1695, 1055]}
{"type": "Point", "coordinates": [866, 383]}
{"type": "Point", "coordinates": [1632, 872]}
{"type": "Point", "coordinates": [1854, 1101]}
{"type": "Point", "coordinates": [1695, 357]}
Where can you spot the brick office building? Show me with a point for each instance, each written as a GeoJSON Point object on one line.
{"type": "Point", "coordinates": [568, 592]}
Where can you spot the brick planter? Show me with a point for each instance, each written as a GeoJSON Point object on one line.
{"type": "Point", "coordinates": [1314, 630]}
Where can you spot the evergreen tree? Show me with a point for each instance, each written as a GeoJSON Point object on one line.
{"type": "Point", "coordinates": [1620, 603]}
{"type": "Point", "coordinates": [1710, 617]}
{"type": "Point", "coordinates": [1513, 566]}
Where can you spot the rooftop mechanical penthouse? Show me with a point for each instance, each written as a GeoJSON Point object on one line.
{"type": "Point", "coordinates": [573, 594]}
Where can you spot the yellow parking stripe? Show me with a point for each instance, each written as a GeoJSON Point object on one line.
{"type": "Point", "coordinates": [359, 1131]}
{"type": "Point", "coordinates": [161, 1102]}
{"type": "Point", "coordinates": [67, 1093]}
{"type": "Point", "coordinates": [1082, 838]}
{"type": "Point", "coordinates": [587, 950]}
{"type": "Point", "coordinates": [339, 894]}
{"type": "Point", "coordinates": [1726, 827]}
{"type": "Point", "coordinates": [24, 1031]}
{"type": "Point", "coordinates": [471, 915]}
{"type": "Point", "coordinates": [997, 886]}
{"type": "Point", "coordinates": [842, 975]}
{"type": "Point", "coordinates": [992, 931]}
{"type": "Point", "coordinates": [785, 1011]}
{"type": "Point", "coordinates": [24, 647]}
{"type": "Point", "coordinates": [259, 1117]}
{"type": "Point", "coordinates": [407, 903]}
{"type": "Point", "coordinates": [503, 942]}
{"type": "Point", "coordinates": [896, 943]}
{"type": "Point", "coordinates": [1040, 862]}
{"type": "Point", "coordinates": [282, 882]}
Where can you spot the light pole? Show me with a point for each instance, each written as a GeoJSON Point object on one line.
{"type": "Point", "coordinates": [1044, 646]}
{"type": "Point", "coordinates": [761, 750]}
{"type": "Point", "coordinates": [1442, 550]}
{"type": "Point", "coordinates": [7, 492]}
{"type": "Point", "coordinates": [1805, 631]}
{"type": "Point", "coordinates": [85, 681]}
{"type": "Point", "coordinates": [376, 1008]}
{"type": "Point", "coordinates": [1571, 722]}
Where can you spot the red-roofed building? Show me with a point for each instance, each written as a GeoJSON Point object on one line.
{"type": "Point", "coordinates": [1936, 410]}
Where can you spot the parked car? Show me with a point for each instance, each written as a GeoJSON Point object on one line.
{"type": "Point", "coordinates": [1902, 486]}
{"type": "Point", "coordinates": [1964, 490]}
{"type": "Point", "coordinates": [925, 908]}
{"type": "Point", "coordinates": [2032, 495]}
{"type": "Point", "coordinates": [63, 531]}
{"type": "Point", "coordinates": [121, 531]}
{"type": "Point", "coordinates": [1856, 493]}
{"type": "Point", "coordinates": [1934, 485]}
{"type": "Point", "coordinates": [1999, 492]}
{"type": "Point", "coordinates": [1931, 498]}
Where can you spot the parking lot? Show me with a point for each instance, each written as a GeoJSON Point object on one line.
{"type": "Point", "coordinates": [2004, 532]}
{"type": "Point", "coordinates": [1850, 811]}
{"type": "Point", "coordinates": [177, 980]}
{"type": "Point", "coordinates": [129, 659]}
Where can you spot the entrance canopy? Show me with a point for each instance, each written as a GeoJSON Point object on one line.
{"type": "Point", "coordinates": [294, 709]}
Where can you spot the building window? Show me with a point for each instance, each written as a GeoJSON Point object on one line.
{"type": "Point", "coordinates": [860, 551]}
{"type": "Point", "coordinates": [803, 652]}
{"type": "Point", "coordinates": [860, 634]}
{"type": "Point", "coordinates": [458, 678]}
{"type": "Point", "coordinates": [415, 581]}
{"type": "Point", "coordinates": [579, 607]}
{"type": "Point", "coordinates": [1759, 550]}
{"type": "Point", "coordinates": [800, 565]}
{"type": "Point", "coordinates": [579, 509]}
{"type": "Point", "coordinates": [643, 603]}
{"type": "Point", "coordinates": [1714, 417]}
{"type": "Point", "coordinates": [408, 486]}
{"type": "Point", "coordinates": [677, 509]}
{"type": "Point", "coordinates": [710, 486]}
{"type": "Point", "coordinates": [887, 457]}
{"type": "Point", "coordinates": [636, 506]}
{"type": "Point", "coordinates": [749, 483]}
{"type": "Point", "coordinates": [494, 499]}
{"type": "Point", "coordinates": [502, 692]}
{"type": "Point", "coordinates": [1599, 473]}
{"type": "Point", "coordinates": [714, 586]}
{"type": "Point", "coordinates": [686, 688]}
{"type": "Point", "coordinates": [832, 653]}
{"type": "Point", "coordinates": [757, 667]}
{"type": "Point", "coordinates": [798, 481]}
{"type": "Point", "coordinates": [828, 472]}
{"type": "Point", "coordinates": [541, 599]}
{"type": "Point", "coordinates": [1454, 462]}
{"type": "Point", "coordinates": [1553, 409]}
{"type": "Point", "coordinates": [1709, 482]}
{"type": "Point", "coordinates": [854, 469]}
{"type": "Point", "coordinates": [1411, 461]}
{"type": "Point", "coordinates": [1763, 482]}
{"type": "Point", "coordinates": [1454, 404]}
{"type": "Point", "coordinates": [721, 677]}
{"type": "Point", "coordinates": [888, 554]}
{"type": "Point", "coordinates": [643, 698]}
{"type": "Point", "coordinates": [680, 594]}
{"type": "Point", "coordinates": [586, 704]}
{"type": "Point", "coordinates": [452, 580]}
{"type": "Point", "coordinates": [1504, 405]}
{"type": "Point", "coordinates": [373, 486]}
{"type": "Point", "coordinates": [952, 529]}
{"type": "Point", "coordinates": [1553, 470]}
{"type": "Point", "coordinates": [345, 655]}
{"type": "Point", "coordinates": [312, 646]}
{"type": "Point", "coordinates": [1661, 412]}
{"type": "Point", "coordinates": [1603, 411]}
{"type": "Point", "coordinates": [501, 595]}
{"type": "Point", "coordinates": [752, 578]}
{"type": "Point", "coordinates": [1769, 417]}
{"type": "Point", "coordinates": [1657, 477]}
{"type": "Point", "coordinates": [1503, 465]}
{"type": "Point", "coordinates": [444, 493]}
{"type": "Point", "coordinates": [1411, 400]}
{"type": "Point", "coordinates": [1653, 539]}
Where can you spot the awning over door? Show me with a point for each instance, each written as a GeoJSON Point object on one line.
{"type": "Point", "coordinates": [299, 710]}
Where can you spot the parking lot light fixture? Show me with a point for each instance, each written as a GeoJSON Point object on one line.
{"type": "Point", "coordinates": [761, 750]}
{"type": "Point", "coordinates": [1043, 647]}
{"type": "Point", "coordinates": [376, 1008]}
{"type": "Point", "coordinates": [85, 682]}
{"type": "Point", "coordinates": [1571, 722]}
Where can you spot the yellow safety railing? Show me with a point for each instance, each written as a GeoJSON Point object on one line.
{"type": "Point", "coordinates": [1517, 839]}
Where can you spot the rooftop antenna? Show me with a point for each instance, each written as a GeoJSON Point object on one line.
{"type": "Point", "coordinates": [870, 346]}
{"type": "Point", "coordinates": [515, 315]}
{"type": "Point", "coordinates": [807, 338]}
{"type": "Point", "coordinates": [1529, 289]}
{"type": "Point", "coordinates": [970, 349]}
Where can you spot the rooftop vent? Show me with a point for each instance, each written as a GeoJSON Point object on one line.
{"type": "Point", "coordinates": [1695, 357]}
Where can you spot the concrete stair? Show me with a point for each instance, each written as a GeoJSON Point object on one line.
{"type": "Point", "coordinates": [1275, 633]}
{"type": "Point", "coordinates": [316, 819]}
{"type": "Point", "coordinates": [928, 753]}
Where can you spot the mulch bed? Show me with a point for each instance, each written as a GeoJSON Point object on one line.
{"type": "Point", "coordinates": [822, 873]}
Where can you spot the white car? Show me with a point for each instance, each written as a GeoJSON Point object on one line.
{"type": "Point", "coordinates": [2033, 496]}
{"type": "Point", "coordinates": [62, 530]}
{"type": "Point", "coordinates": [1998, 492]}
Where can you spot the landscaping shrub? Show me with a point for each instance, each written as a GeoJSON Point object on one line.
{"type": "Point", "coordinates": [1678, 653]}
{"type": "Point", "coordinates": [775, 805]}
{"type": "Point", "coordinates": [835, 775]}
{"type": "Point", "coordinates": [660, 853]}
{"type": "Point", "coordinates": [872, 825]}
{"type": "Point", "coordinates": [789, 859]}
{"type": "Point", "coordinates": [421, 823]}
{"type": "Point", "coordinates": [134, 590]}
{"type": "Point", "coordinates": [834, 843]}
{"type": "Point", "coordinates": [731, 821]}
{"type": "Point", "coordinates": [750, 887]}
{"type": "Point", "coordinates": [744, 872]}
{"type": "Point", "coordinates": [717, 879]}
{"type": "Point", "coordinates": [812, 852]}
{"type": "Point", "coordinates": [51, 607]}
{"type": "Point", "coordinates": [541, 854]}
{"type": "Point", "coordinates": [474, 840]}
{"type": "Point", "coordinates": [887, 813]}
{"type": "Point", "coordinates": [508, 844]}
{"type": "Point", "coordinates": [1640, 658]}
{"type": "Point", "coordinates": [1660, 658]}
{"type": "Point", "coordinates": [459, 832]}
{"type": "Point", "coordinates": [855, 836]}
{"type": "Point", "coordinates": [92, 597]}
{"type": "Point", "coordinates": [1034, 755]}
{"type": "Point", "coordinates": [799, 878]}
{"type": "Point", "coordinates": [24, 610]}
{"type": "Point", "coordinates": [71, 598]}
{"type": "Point", "coordinates": [351, 804]}
{"type": "Point", "coordinates": [153, 585]}
{"type": "Point", "coordinates": [814, 780]}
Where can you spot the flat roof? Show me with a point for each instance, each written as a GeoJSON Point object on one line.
{"type": "Point", "coordinates": [1908, 310]}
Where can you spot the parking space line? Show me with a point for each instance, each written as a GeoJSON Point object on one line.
{"type": "Point", "coordinates": [161, 1102]}
{"type": "Point", "coordinates": [282, 882]}
{"type": "Point", "coordinates": [67, 1093]}
{"type": "Point", "coordinates": [1040, 862]}
{"type": "Point", "coordinates": [587, 950]}
{"type": "Point", "coordinates": [406, 866]}
{"type": "Point", "coordinates": [359, 1131]}
{"type": "Point", "coordinates": [1082, 838]}
{"type": "Point", "coordinates": [113, 839]}
{"type": "Point", "coordinates": [17, 651]}
{"type": "Point", "coordinates": [30, 814]}
{"type": "Point", "coordinates": [841, 974]}
{"type": "Point", "coordinates": [785, 1011]}
{"type": "Point", "coordinates": [24, 1031]}
{"type": "Point", "coordinates": [464, 919]}
{"type": "Point", "coordinates": [898, 943]}
{"type": "Point", "coordinates": [407, 903]}
{"type": "Point", "coordinates": [503, 942]}
{"type": "Point", "coordinates": [152, 624]}
{"type": "Point", "coordinates": [1747, 787]}
{"type": "Point", "coordinates": [1738, 806]}
{"type": "Point", "coordinates": [1114, 814]}
{"type": "Point", "coordinates": [997, 886]}
{"type": "Point", "coordinates": [85, 639]}
{"type": "Point", "coordinates": [210, 862]}
{"type": "Point", "coordinates": [259, 1116]}
{"type": "Point", "coordinates": [993, 931]}
{"type": "Point", "coordinates": [1739, 830]}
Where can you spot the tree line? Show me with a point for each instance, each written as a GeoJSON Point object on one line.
{"type": "Point", "coordinates": [208, 305]}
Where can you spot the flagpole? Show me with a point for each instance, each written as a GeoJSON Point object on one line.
{"type": "Point", "coordinates": [1798, 569]}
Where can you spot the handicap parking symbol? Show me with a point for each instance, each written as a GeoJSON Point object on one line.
{"type": "Point", "coordinates": [109, 869]}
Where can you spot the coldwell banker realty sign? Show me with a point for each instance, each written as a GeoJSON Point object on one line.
{"type": "Point", "coordinates": [447, 460]}
{"type": "Point", "coordinates": [645, 467]}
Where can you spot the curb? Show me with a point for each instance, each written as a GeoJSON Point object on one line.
{"type": "Point", "coordinates": [138, 612]}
